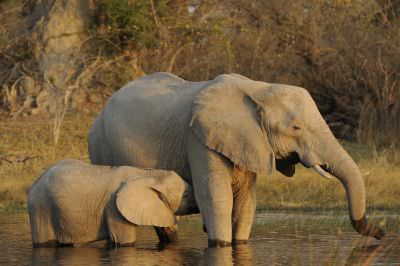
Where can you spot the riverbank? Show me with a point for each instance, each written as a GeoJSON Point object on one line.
{"type": "Point", "coordinates": [27, 147]}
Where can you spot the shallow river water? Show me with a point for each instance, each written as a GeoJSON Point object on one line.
{"type": "Point", "coordinates": [277, 239]}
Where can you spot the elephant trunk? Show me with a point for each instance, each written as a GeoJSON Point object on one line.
{"type": "Point", "coordinates": [341, 165]}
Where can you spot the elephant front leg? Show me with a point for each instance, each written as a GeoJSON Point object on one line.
{"type": "Point", "coordinates": [120, 232]}
{"type": "Point", "coordinates": [212, 184]}
{"type": "Point", "coordinates": [244, 206]}
{"type": "Point", "coordinates": [216, 209]}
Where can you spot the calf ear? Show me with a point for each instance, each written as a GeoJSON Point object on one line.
{"type": "Point", "coordinates": [141, 204]}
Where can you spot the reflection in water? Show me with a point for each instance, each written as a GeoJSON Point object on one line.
{"type": "Point", "coordinates": [218, 256]}
{"type": "Point", "coordinates": [280, 244]}
{"type": "Point", "coordinates": [236, 255]}
{"type": "Point", "coordinates": [171, 255]}
{"type": "Point", "coordinates": [385, 253]}
{"type": "Point", "coordinates": [363, 255]}
{"type": "Point", "coordinates": [66, 256]}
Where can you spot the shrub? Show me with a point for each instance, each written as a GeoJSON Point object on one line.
{"type": "Point", "coordinates": [127, 22]}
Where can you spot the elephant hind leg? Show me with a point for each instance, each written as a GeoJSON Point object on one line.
{"type": "Point", "coordinates": [167, 234]}
{"type": "Point", "coordinates": [99, 149]}
{"type": "Point", "coordinates": [42, 229]}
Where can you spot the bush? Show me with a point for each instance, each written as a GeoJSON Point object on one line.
{"type": "Point", "coordinates": [127, 22]}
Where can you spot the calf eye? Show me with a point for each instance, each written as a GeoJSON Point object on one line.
{"type": "Point", "coordinates": [296, 128]}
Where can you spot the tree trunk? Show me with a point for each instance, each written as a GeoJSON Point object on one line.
{"type": "Point", "coordinates": [59, 29]}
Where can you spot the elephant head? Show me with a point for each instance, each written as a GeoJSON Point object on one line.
{"type": "Point", "coordinates": [149, 200]}
{"type": "Point", "coordinates": [261, 127]}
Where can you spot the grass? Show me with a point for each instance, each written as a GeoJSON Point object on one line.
{"type": "Point", "coordinates": [27, 148]}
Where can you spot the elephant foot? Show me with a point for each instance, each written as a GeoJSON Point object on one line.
{"type": "Point", "coordinates": [120, 245]}
{"type": "Point", "coordinates": [236, 242]}
{"type": "Point", "coordinates": [216, 243]}
{"type": "Point", "coordinates": [48, 244]}
{"type": "Point", "coordinates": [167, 234]}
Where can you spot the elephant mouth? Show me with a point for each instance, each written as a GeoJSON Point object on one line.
{"type": "Point", "coordinates": [321, 169]}
{"type": "Point", "coordinates": [193, 210]}
{"type": "Point", "coordinates": [287, 164]}
{"type": "Point", "coordinates": [292, 158]}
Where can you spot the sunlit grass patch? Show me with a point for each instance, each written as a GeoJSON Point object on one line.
{"type": "Point", "coordinates": [27, 148]}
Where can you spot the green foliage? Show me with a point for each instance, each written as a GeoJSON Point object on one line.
{"type": "Point", "coordinates": [131, 22]}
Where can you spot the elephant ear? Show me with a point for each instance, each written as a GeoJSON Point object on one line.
{"type": "Point", "coordinates": [226, 119]}
{"type": "Point", "coordinates": [141, 204]}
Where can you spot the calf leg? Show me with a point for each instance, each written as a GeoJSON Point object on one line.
{"type": "Point", "coordinates": [121, 233]}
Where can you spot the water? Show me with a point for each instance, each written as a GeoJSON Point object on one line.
{"type": "Point", "coordinates": [277, 239]}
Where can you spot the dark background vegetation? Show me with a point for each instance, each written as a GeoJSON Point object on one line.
{"type": "Point", "coordinates": [346, 53]}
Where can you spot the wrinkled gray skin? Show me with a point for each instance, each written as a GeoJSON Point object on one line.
{"type": "Point", "coordinates": [219, 135]}
{"type": "Point", "coordinates": [75, 202]}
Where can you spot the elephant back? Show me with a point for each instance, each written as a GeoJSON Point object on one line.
{"type": "Point", "coordinates": [145, 124]}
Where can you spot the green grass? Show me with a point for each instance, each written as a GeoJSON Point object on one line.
{"type": "Point", "coordinates": [32, 139]}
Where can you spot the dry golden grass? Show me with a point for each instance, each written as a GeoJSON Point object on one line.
{"type": "Point", "coordinates": [27, 148]}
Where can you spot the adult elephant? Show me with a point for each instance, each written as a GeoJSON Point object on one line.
{"type": "Point", "coordinates": [219, 135]}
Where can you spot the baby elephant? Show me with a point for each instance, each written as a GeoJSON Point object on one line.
{"type": "Point", "coordinates": [75, 202]}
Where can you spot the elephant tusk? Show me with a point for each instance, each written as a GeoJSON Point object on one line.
{"type": "Point", "coordinates": [321, 172]}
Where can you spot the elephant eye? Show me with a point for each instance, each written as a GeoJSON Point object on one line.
{"type": "Point", "coordinates": [296, 128]}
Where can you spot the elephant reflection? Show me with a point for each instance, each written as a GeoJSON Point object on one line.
{"type": "Point", "coordinates": [168, 255]}
{"type": "Point", "coordinates": [237, 255]}
{"type": "Point", "coordinates": [177, 255]}
{"type": "Point", "coordinates": [382, 253]}
{"type": "Point", "coordinates": [68, 256]}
